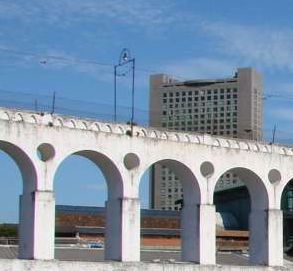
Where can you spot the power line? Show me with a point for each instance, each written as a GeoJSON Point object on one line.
{"type": "Point", "coordinates": [278, 96]}
{"type": "Point", "coordinates": [55, 57]}
{"type": "Point", "coordinates": [44, 59]}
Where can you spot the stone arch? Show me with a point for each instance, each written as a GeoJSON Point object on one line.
{"type": "Point", "coordinates": [83, 125]}
{"type": "Point", "coordinates": [164, 135]}
{"type": "Point", "coordinates": [108, 128]}
{"type": "Point", "coordinates": [190, 211]}
{"type": "Point", "coordinates": [186, 138]}
{"type": "Point", "coordinates": [256, 187]}
{"type": "Point", "coordinates": [25, 164]}
{"type": "Point", "coordinates": [4, 115]}
{"type": "Point", "coordinates": [18, 117]}
{"type": "Point", "coordinates": [95, 127]}
{"type": "Point", "coordinates": [107, 166]}
{"type": "Point", "coordinates": [121, 130]}
{"type": "Point", "coordinates": [27, 202]}
{"type": "Point", "coordinates": [143, 132]}
{"type": "Point", "coordinates": [176, 137]}
{"type": "Point", "coordinates": [72, 124]}
{"type": "Point", "coordinates": [58, 122]}
{"type": "Point", "coordinates": [154, 134]}
{"type": "Point", "coordinates": [257, 216]}
{"type": "Point", "coordinates": [216, 143]}
{"type": "Point", "coordinates": [196, 139]}
{"type": "Point", "coordinates": [114, 203]}
{"type": "Point", "coordinates": [191, 188]}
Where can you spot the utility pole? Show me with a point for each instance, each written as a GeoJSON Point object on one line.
{"type": "Point", "coordinates": [125, 58]}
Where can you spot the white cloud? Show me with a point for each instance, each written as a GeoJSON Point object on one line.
{"type": "Point", "coordinates": [149, 14]}
{"type": "Point", "coordinates": [258, 45]}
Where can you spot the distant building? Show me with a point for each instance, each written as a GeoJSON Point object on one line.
{"type": "Point", "coordinates": [230, 107]}
{"type": "Point", "coordinates": [158, 228]}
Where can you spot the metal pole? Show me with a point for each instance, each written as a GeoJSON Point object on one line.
{"type": "Point", "coordinates": [132, 92]}
{"type": "Point", "coordinates": [53, 103]}
{"type": "Point", "coordinates": [36, 105]}
{"type": "Point", "coordinates": [274, 133]}
{"type": "Point", "coordinates": [115, 93]}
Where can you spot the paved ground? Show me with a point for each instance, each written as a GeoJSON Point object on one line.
{"type": "Point", "coordinates": [93, 255]}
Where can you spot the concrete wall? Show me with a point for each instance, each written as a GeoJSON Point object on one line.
{"type": "Point", "coordinates": [22, 265]}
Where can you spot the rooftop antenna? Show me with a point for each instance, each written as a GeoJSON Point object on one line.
{"type": "Point", "coordinates": [274, 133]}
{"type": "Point", "coordinates": [53, 103]}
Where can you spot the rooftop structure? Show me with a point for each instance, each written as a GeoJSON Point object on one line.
{"type": "Point", "coordinates": [230, 107]}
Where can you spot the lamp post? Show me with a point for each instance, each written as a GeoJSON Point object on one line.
{"type": "Point", "coordinates": [124, 59]}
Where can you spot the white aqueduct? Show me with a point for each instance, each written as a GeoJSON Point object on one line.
{"type": "Point", "coordinates": [39, 143]}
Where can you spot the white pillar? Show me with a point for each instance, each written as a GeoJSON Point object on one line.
{"type": "Point", "coordinates": [258, 237]}
{"type": "Point", "coordinates": [198, 236]}
{"type": "Point", "coordinates": [275, 237]}
{"type": "Point", "coordinates": [37, 225]}
{"type": "Point", "coordinates": [123, 230]}
{"type": "Point", "coordinates": [266, 237]}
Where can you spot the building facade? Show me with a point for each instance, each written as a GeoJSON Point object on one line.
{"type": "Point", "coordinates": [229, 107]}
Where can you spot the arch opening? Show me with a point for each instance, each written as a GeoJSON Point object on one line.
{"type": "Point", "coordinates": [18, 180]}
{"type": "Point", "coordinates": [84, 183]}
{"type": "Point", "coordinates": [11, 188]}
{"type": "Point", "coordinates": [241, 201]}
{"type": "Point", "coordinates": [166, 218]}
{"type": "Point", "coordinates": [287, 208]}
{"type": "Point", "coordinates": [24, 163]}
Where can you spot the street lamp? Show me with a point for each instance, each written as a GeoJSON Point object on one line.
{"type": "Point", "coordinates": [124, 59]}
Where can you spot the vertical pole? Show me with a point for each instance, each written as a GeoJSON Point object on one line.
{"type": "Point", "coordinates": [274, 133]}
{"type": "Point", "coordinates": [36, 105]}
{"type": "Point", "coordinates": [132, 95]}
{"type": "Point", "coordinates": [53, 103]}
{"type": "Point", "coordinates": [115, 93]}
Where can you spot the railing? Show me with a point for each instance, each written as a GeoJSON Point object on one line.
{"type": "Point", "coordinates": [8, 241]}
{"type": "Point", "coordinates": [100, 111]}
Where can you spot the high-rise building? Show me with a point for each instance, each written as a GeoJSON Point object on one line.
{"type": "Point", "coordinates": [230, 107]}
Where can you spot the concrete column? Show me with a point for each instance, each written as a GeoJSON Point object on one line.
{"type": "Point", "coordinates": [198, 236]}
{"type": "Point", "coordinates": [275, 237]}
{"type": "Point", "coordinates": [37, 225]}
{"type": "Point", "coordinates": [123, 230]}
{"type": "Point", "coordinates": [258, 237]}
{"type": "Point", "coordinates": [266, 237]}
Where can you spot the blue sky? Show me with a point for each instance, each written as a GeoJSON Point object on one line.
{"type": "Point", "coordinates": [79, 41]}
